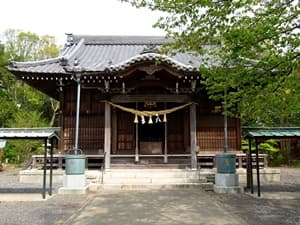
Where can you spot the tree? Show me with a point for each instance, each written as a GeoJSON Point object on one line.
{"type": "Point", "coordinates": [7, 109]}
{"type": "Point", "coordinates": [24, 46]}
{"type": "Point", "coordinates": [252, 47]}
{"type": "Point", "coordinates": [21, 105]}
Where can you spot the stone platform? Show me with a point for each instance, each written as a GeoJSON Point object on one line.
{"type": "Point", "coordinates": [143, 178]}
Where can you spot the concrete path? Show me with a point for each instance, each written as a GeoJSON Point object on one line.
{"type": "Point", "coordinates": [161, 207]}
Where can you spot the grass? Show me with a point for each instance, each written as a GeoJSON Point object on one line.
{"type": "Point", "coordinates": [295, 164]}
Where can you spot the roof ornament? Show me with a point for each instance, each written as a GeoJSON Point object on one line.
{"type": "Point", "coordinates": [151, 48]}
{"type": "Point", "coordinates": [76, 62]}
{"type": "Point", "coordinates": [70, 39]}
{"type": "Point", "coordinates": [63, 61]}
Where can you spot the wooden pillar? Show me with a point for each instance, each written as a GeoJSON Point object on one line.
{"type": "Point", "coordinates": [186, 141]}
{"type": "Point", "coordinates": [136, 142]}
{"type": "Point", "coordinates": [114, 132]}
{"type": "Point", "coordinates": [193, 136]}
{"type": "Point", "coordinates": [61, 141]}
{"type": "Point", "coordinates": [257, 168]}
{"type": "Point", "coordinates": [45, 169]}
{"type": "Point", "coordinates": [166, 139]}
{"type": "Point", "coordinates": [240, 161]}
{"type": "Point", "coordinates": [166, 144]}
{"type": "Point", "coordinates": [107, 135]}
{"type": "Point", "coordinates": [136, 138]}
{"type": "Point", "coordinates": [51, 167]}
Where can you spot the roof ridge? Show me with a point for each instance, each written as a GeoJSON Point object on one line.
{"type": "Point", "coordinates": [14, 64]}
{"type": "Point", "coordinates": [151, 56]}
{"type": "Point", "coordinates": [75, 50]}
{"type": "Point", "coordinates": [121, 39]}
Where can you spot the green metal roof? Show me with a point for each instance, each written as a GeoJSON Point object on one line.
{"type": "Point", "coordinates": [272, 132]}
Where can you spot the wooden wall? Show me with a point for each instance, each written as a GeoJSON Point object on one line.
{"type": "Point", "coordinates": [91, 126]}
{"type": "Point", "coordinates": [210, 130]}
{"type": "Point", "coordinates": [210, 127]}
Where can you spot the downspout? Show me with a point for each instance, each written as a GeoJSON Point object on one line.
{"type": "Point", "coordinates": [77, 79]}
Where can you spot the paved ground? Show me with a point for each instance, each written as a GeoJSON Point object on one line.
{"type": "Point", "coordinates": [168, 207]}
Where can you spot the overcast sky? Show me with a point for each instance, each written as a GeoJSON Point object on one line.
{"type": "Point", "coordinates": [93, 17]}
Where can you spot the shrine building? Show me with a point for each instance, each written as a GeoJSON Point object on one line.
{"type": "Point", "coordinates": [137, 105]}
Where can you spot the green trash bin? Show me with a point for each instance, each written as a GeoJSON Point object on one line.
{"type": "Point", "coordinates": [226, 163]}
{"type": "Point", "coordinates": [75, 164]}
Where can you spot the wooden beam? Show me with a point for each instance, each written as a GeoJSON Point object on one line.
{"type": "Point", "coordinates": [193, 136]}
{"type": "Point", "coordinates": [107, 135]}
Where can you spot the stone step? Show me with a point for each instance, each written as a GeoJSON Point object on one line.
{"type": "Point", "coordinates": [154, 174]}
{"type": "Point", "coordinates": [151, 166]}
{"type": "Point", "coordinates": [150, 180]}
{"type": "Point", "coordinates": [142, 186]}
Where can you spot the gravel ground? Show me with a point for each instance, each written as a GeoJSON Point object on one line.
{"type": "Point", "coordinates": [259, 211]}
{"type": "Point", "coordinates": [54, 210]}
{"type": "Point", "coordinates": [262, 211]}
{"type": "Point", "coordinates": [9, 183]}
{"type": "Point", "coordinates": [59, 208]}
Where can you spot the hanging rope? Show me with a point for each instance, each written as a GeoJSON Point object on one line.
{"type": "Point", "coordinates": [149, 113]}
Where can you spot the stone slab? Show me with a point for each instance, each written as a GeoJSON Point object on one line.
{"type": "Point", "coordinates": [74, 181]}
{"type": "Point", "coordinates": [228, 190]}
{"type": "Point", "coordinates": [36, 176]}
{"type": "Point", "coordinates": [72, 191]}
{"type": "Point", "coordinates": [226, 180]}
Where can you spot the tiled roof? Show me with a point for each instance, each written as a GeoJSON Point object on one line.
{"type": "Point", "coordinates": [109, 54]}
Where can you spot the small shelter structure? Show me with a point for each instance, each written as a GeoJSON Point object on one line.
{"type": "Point", "coordinates": [265, 133]}
{"type": "Point", "coordinates": [46, 134]}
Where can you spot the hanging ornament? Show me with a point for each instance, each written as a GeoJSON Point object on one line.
{"type": "Point", "coordinates": [165, 118]}
{"type": "Point", "coordinates": [150, 120]}
{"type": "Point", "coordinates": [143, 120]}
{"type": "Point", "coordinates": [136, 119]}
{"type": "Point", "coordinates": [157, 119]}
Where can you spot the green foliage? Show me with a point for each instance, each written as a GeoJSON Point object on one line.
{"type": "Point", "coordinates": [21, 105]}
{"type": "Point", "coordinates": [270, 147]}
{"type": "Point", "coordinates": [19, 150]}
{"type": "Point", "coordinates": [252, 49]}
{"type": "Point", "coordinates": [25, 46]}
{"type": "Point", "coordinates": [295, 164]}
{"type": "Point", "coordinates": [18, 96]}
{"type": "Point", "coordinates": [10, 153]}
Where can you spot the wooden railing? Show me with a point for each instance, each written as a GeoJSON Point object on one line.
{"type": "Point", "coordinates": [205, 160]}
{"type": "Point", "coordinates": [209, 160]}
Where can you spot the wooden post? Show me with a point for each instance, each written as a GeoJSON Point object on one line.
{"type": "Point", "coordinates": [248, 153]}
{"type": "Point", "coordinates": [60, 162]}
{"type": "Point", "coordinates": [265, 160]}
{"type": "Point", "coordinates": [51, 167]}
{"type": "Point", "coordinates": [136, 138]}
{"type": "Point", "coordinates": [166, 144]}
{"type": "Point", "coordinates": [257, 168]}
{"type": "Point", "coordinates": [45, 169]}
{"type": "Point", "coordinates": [136, 142]}
{"type": "Point", "coordinates": [240, 160]}
{"type": "Point", "coordinates": [193, 136]}
{"type": "Point", "coordinates": [107, 135]}
{"type": "Point", "coordinates": [166, 139]}
{"type": "Point", "coordinates": [114, 132]}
